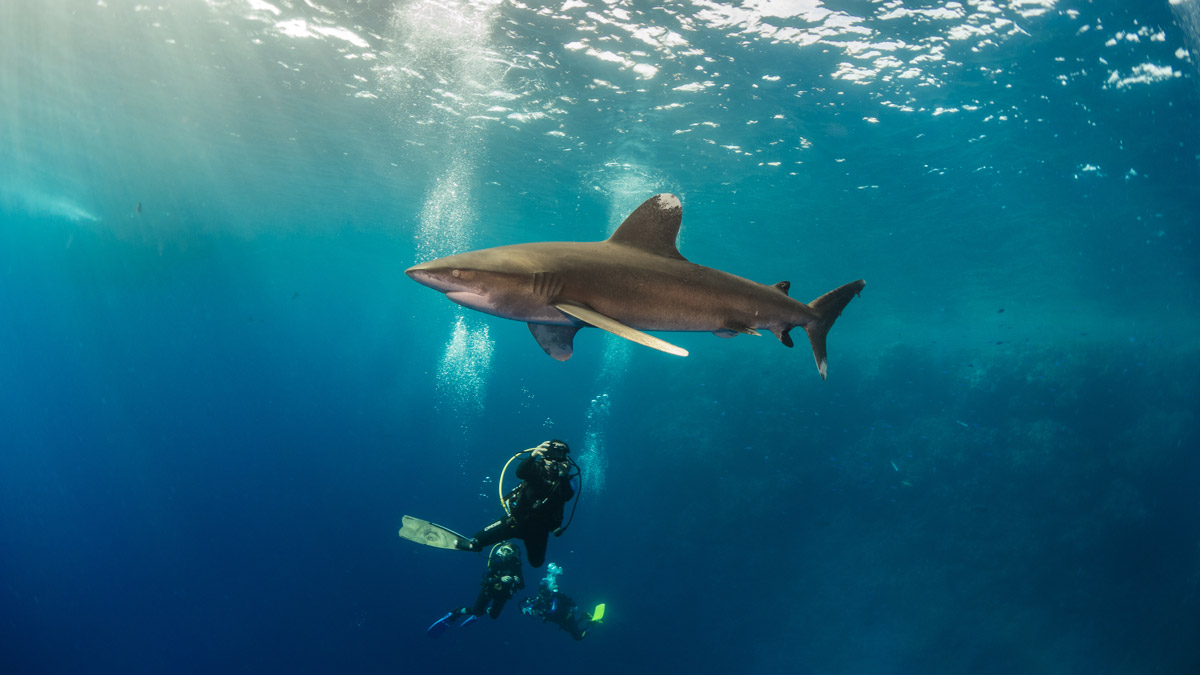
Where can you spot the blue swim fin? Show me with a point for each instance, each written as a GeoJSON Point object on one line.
{"type": "Point", "coordinates": [438, 627]}
{"type": "Point", "coordinates": [469, 619]}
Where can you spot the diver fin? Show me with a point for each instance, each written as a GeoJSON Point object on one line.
{"type": "Point", "coordinates": [653, 227]}
{"type": "Point", "coordinates": [828, 308]}
{"type": "Point", "coordinates": [425, 532]}
{"type": "Point", "coordinates": [441, 625]}
{"type": "Point", "coordinates": [438, 627]}
{"type": "Point", "coordinates": [597, 616]}
{"type": "Point", "coordinates": [617, 328]}
{"type": "Point", "coordinates": [557, 341]}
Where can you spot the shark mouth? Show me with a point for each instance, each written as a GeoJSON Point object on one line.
{"type": "Point", "coordinates": [472, 300]}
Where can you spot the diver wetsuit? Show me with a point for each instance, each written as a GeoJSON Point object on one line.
{"type": "Point", "coordinates": [500, 582]}
{"type": "Point", "coordinates": [556, 607]}
{"type": "Point", "coordinates": [538, 508]}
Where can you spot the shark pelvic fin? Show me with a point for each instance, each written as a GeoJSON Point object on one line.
{"type": "Point", "coordinates": [653, 227]}
{"type": "Point", "coordinates": [556, 341]}
{"type": "Point", "coordinates": [594, 318]}
{"type": "Point", "coordinates": [733, 328]}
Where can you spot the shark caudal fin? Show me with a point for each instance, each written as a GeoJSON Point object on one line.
{"type": "Point", "coordinates": [827, 308]}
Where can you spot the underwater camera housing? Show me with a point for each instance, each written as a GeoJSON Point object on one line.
{"type": "Point", "coordinates": [556, 450]}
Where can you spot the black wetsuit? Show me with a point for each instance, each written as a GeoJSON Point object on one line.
{"type": "Point", "coordinates": [538, 511]}
{"type": "Point", "coordinates": [500, 582]}
{"type": "Point", "coordinates": [557, 607]}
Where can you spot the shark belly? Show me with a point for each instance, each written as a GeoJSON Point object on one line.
{"type": "Point", "coordinates": [530, 311]}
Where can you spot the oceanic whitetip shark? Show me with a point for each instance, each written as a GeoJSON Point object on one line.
{"type": "Point", "coordinates": [635, 281]}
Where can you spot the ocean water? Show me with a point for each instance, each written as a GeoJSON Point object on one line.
{"type": "Point", "coordinates": [219, 392]}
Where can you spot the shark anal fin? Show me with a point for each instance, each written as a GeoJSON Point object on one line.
{"type": "Point", "coordinates": [556, 341]}
{"type": "Point", "coordinates": [591, 316]}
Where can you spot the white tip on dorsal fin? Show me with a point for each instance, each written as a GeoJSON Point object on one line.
{"type": "Point", "coordinates": [653, 226]}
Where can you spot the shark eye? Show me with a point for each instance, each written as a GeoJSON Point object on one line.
{"type": "Point", "coordinates": [456, 274]}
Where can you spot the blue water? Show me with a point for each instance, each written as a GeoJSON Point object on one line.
{"type": "Point", "coordinates": [215, 408]}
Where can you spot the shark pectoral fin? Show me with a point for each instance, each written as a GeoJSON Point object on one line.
{"type": "Point", "coordinates": [615, 327]}
{"type": "Point", "coordinates": [557, 341]}
{"type": "Point", "coordinates": [725, 333]}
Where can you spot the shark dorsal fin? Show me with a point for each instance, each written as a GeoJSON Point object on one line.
{"type": "Point", "coordinates": [653, 226]}
{"type": "Point", "coordinates": [784, 286]}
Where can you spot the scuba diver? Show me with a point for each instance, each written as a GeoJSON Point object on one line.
{"type": "Point", "coordinates": [533, 509]}
{"type": "Point", "coordinates": [535, 506]}
{"type": "Point", "coordinates": [556, 607]}
{"type": "Point", "coordinates": [501, 581]}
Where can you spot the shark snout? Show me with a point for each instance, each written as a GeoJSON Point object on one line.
{"type": "Point", "coordinates": [420, 274]}
{"type": "Point", "coordinates": [439, 278]}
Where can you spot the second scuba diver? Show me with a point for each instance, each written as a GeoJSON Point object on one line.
{"type": "Point", "coordinates": [500, 582]}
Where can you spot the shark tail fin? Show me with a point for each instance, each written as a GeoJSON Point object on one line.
{"type": "Point", "coordinates": [828, 308]}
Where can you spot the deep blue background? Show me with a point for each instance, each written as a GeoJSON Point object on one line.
{"type": "Point", "coordinates": [216, 410]}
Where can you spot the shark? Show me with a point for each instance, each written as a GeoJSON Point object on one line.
{"type": "Point", "coordinates": [633, 282]}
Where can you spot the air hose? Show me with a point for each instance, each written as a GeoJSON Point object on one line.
{"type": "Point", "coordinates": [502, 472]}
